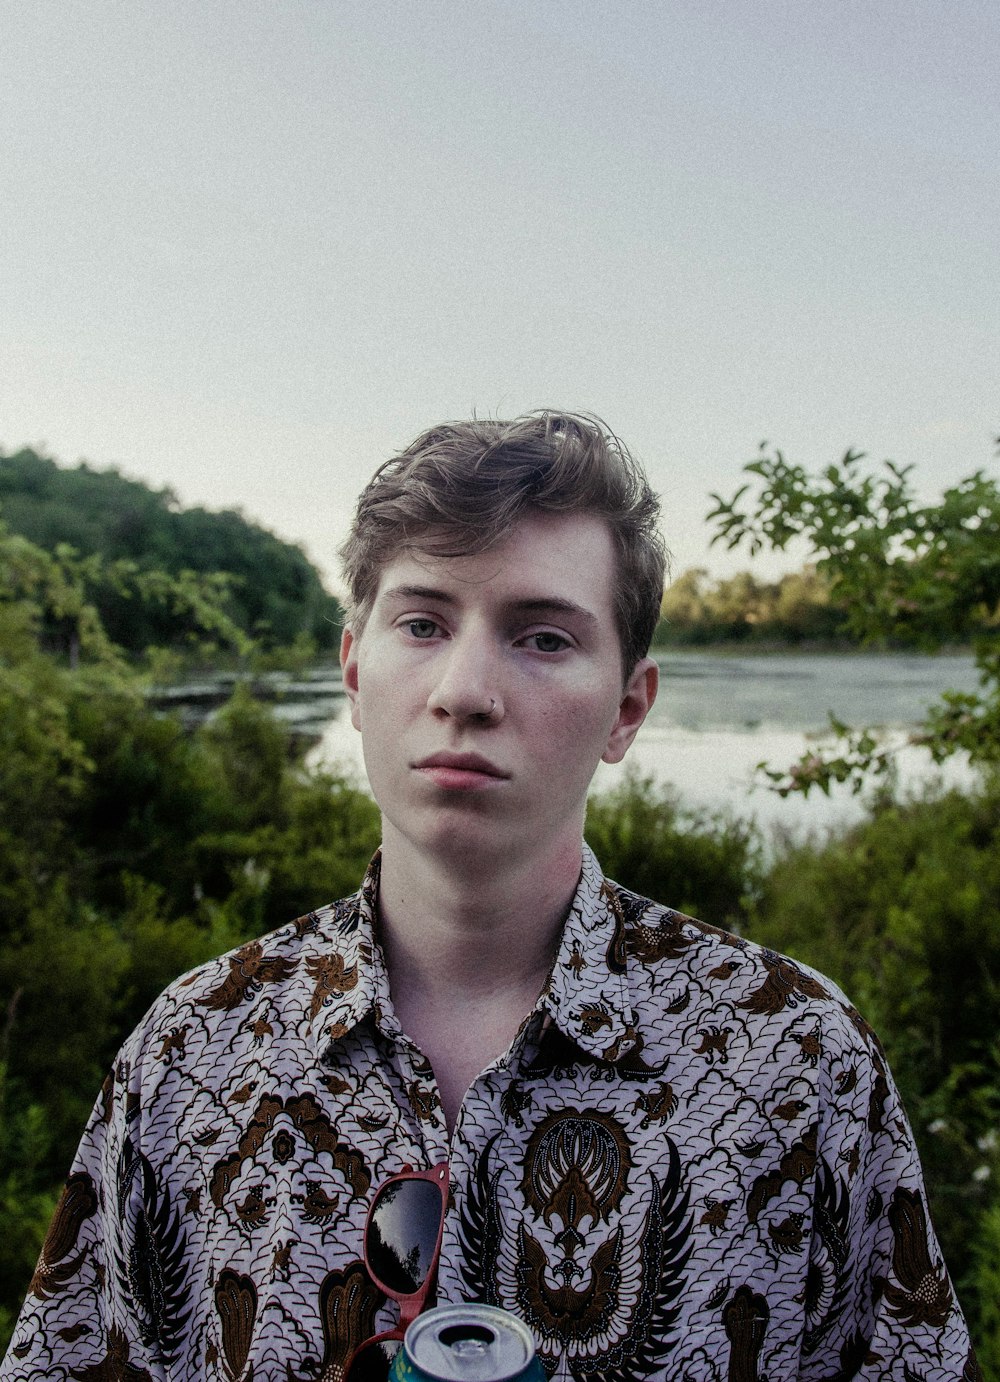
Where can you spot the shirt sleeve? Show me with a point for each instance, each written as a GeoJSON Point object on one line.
{"type": "Point", "coordinates": [83, 1315]}
{"type": "Point", "coordinates": [879, 1303]}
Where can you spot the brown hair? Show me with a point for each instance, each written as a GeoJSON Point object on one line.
{"type": "Point", "coordinates": [460, 488]}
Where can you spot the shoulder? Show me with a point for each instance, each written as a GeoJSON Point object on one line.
{"type": "Point", "coordinates": [748, 1017]}
{"type": "Point", "coordinates": [273, 971]}
{"type": "Point", "coordinates": [658, 943]}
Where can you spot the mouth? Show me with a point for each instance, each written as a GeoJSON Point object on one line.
{"type": "Point", "coordinates": [460, 771]}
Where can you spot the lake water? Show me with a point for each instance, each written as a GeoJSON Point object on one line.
{"type": "Point", "coordinates": [717, 717]}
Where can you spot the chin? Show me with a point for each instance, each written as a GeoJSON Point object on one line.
{"type": "Point", "coordinates": [469, 847]}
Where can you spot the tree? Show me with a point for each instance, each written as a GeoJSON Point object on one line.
{"type": "Point", "coordinates": [795, 608]}
{"type": "Point", "coordinates": [906, 573]}
{"type": "Point", "coordinates": [142, 537]}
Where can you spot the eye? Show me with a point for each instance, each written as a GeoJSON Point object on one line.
{"type": "Point", "coordinates": [421, 628]}
{"type": "Point", "coordinates": [547, 642]}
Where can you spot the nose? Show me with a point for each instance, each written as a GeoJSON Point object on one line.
{"type": "Point", "coordinates": [467, 685]}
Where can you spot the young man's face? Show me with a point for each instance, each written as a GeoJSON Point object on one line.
{"type": "Point", "coordinates": [487, 688]}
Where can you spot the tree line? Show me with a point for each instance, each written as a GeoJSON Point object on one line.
{"type": "Point", "coordinates": [799, 607]}
{"type": "Point", "coordinates": [122, 538]}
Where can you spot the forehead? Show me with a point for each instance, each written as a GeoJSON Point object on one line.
{"type": "Point", "coordinates": [566, 557]}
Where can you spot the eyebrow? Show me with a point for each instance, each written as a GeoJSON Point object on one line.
{"type": "Point", "coordinates": [536, 604]}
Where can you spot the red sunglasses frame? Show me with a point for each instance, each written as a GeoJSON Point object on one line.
{"type": "Point", "coordinates": [413, 1303]}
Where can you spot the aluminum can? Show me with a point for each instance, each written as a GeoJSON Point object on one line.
{"type": "Point", "coordinates": [467, 1343]}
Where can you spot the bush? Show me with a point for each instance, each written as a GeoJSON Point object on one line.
{"type": "Point", "coordinates": [707, 863]}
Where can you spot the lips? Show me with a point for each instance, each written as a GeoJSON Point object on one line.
{"type": "Point", "coordinates": [460, 771]}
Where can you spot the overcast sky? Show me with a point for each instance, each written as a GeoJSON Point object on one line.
{"type": "Point", "coordinates": [247, 250]}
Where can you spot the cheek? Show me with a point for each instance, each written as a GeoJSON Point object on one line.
{"type": "Point", "coordinates": [577, 730]}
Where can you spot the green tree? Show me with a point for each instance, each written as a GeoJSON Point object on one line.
{"type": "Point", "coordinates": [797, 607]}
{"type": "Point", "coordinates": [906, 573]}
{"type": "Point", "coordinates": [266, 587]}
{"type": "Point", "coordinates": [706, 862]}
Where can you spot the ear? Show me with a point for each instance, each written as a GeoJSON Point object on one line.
{"type": "Point", "coordinates": [349, 670]}
{"type": "Point", "coordinates": [636, 702]}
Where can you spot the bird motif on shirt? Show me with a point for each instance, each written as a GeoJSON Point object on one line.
{"type": "Point", "coordinates": [252, 1210]}
{"type": "Point", "coordinates": [243, 1094]}
{"type": "Point", "coordinates": [714, 1042]}
{"type": "Point", "coordinates": [592, 1017]}
{"type": "Point", "coordinates": [786, 1236]}
{"type": "Point", "coordinates": [725, 970]}
{"type": "Point", "coordinates": [785, 986]}
{"type": "Point", "coordinates": [576, 962]}
{"type": "Point", "coordinates": [175, 1040]}
{"type": "Point", "coordinates": [331, 977]}
{"type": "Point", "coordinates": [423, 1100]}
{"type": "Point", "coordinates": [789, 1109]}
{"type": "Point", "coordinates": [261, 1030]}
{"type": "Point", "coordinates": [281, 1262]}
{"type": "Point", "coordinates": [318, 1206]}
{"type": "Point", "coordinates": [809, 1044]}
{"type": "Point", "coordinates": [249, 971]}
{"type": "Point", "coordinates": [715, 1214]}
{"type": "Point", "coordinates": [667, 940]}
{"type": "Point", "coordinates": [657, 1105]}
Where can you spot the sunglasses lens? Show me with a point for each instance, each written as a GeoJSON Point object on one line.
{"type": "Point", "coordinates": [373, 1360]}
{"type": "Point", "coordinates": [402, 1234]}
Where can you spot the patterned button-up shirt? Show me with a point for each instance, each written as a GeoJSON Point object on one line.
{"type": "Point", "coordinates": [691, 1163]}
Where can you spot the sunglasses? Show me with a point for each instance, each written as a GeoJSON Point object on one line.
{"type": "Point", "coordinates": [402, 1245]}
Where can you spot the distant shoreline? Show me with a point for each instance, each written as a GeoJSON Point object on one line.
{"type": "Point", "coordinates": [759, 647]}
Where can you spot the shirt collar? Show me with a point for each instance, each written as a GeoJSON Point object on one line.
{"type": "Point", "coordinates": [359, 984]}
{"type": "Point", "coordinates": [586, 997]}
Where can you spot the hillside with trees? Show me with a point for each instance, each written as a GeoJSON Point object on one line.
{"type": "Point", "coordinates": [121, 532]}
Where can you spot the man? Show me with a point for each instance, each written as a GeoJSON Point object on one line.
{"type": "Point", "coordinates": [671, 1153]}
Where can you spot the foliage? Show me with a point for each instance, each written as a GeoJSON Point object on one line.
{"type": "Point", "coordinates": [796, 608]}
{"type": "Point", "coordinates": [155, 553]}
{"type": "Point", "coordinates": [918, 575]}
{"type": "Point", "coordinates": [27, 1200]}
{"type": "Point", "coordinates": [708, 863]}
{"type": "Point", "coordinates": [58, 597]}
{"type": "Point", "coordinates": [986, 1250]}
{"type": "Point", "coordinates": [862, 755]}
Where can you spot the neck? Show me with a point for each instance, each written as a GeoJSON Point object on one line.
{"type": "Point", "coordinates": [468, 951]}
{"type": "Point", "coordinates": [471, 925]}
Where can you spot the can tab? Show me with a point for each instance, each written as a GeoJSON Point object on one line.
{"type": "Point", "coordinates": [467, 1338]}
